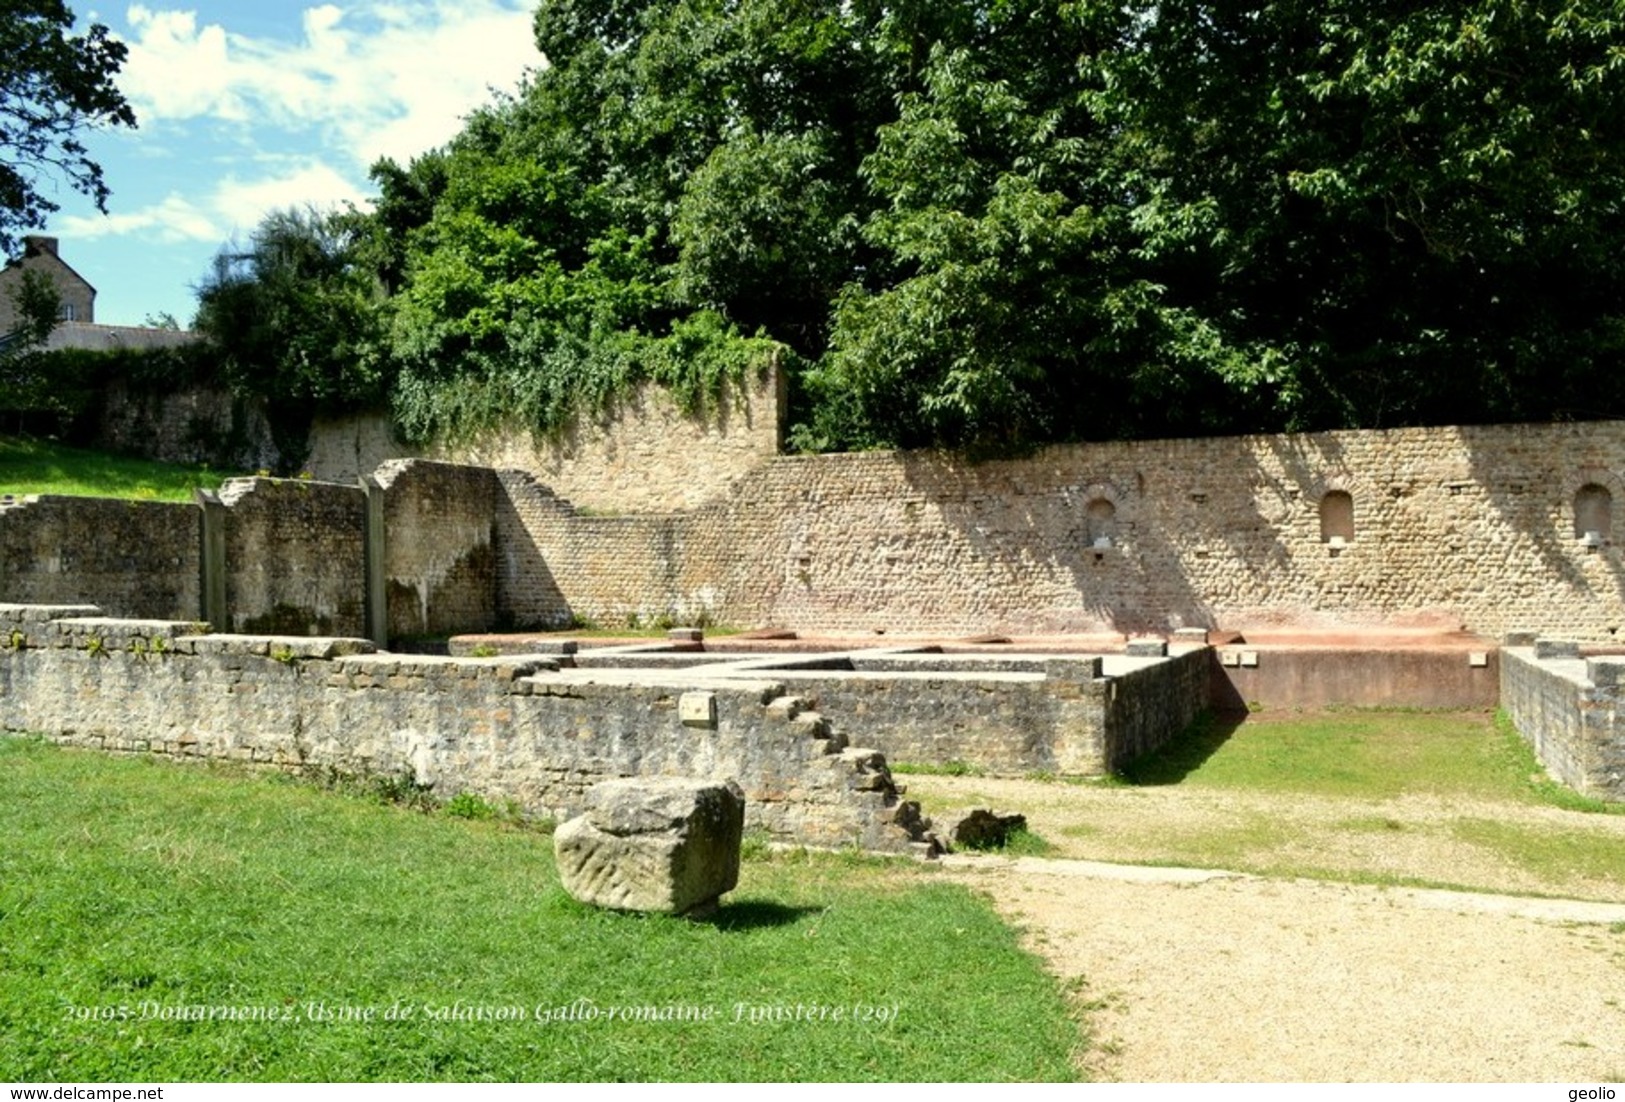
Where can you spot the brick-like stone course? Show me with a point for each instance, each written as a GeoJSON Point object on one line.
{"type": "Point", "coordinates": [1572, 711]}
{"type": "Point", "coordinates": [139, 557]}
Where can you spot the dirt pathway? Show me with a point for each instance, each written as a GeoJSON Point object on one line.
{"type": "Point", "coordinates": [1266, 980]}
{"type": "Point", "coordinates": [1278, 978]}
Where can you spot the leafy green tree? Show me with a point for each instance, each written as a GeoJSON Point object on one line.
{"type": "Point", "coordinates": [54, 85]}
{"type": "Point", "coordinates": [1385, 211]}
{"type": "Point", "coordinates": [297, 321]}
{"type": "Point", "coordinates": [986, 224]}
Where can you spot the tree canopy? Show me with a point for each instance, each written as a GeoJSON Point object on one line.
{"type": "Point", "coordinates": [54, 85]}
{"type": "Point", "coordinates": [993, 223]}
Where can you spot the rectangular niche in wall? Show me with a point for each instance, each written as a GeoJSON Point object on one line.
{"type": "Point", "coordinates": [1337, 518]}
{"type": "Point", "coordinates": [1593, 515]}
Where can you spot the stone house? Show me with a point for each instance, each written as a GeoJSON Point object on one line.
{"type": "Point", "coordinates": [40, 254]}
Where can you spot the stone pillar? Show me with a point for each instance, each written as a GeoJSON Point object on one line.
{"type": "Point", "coordinates": [212, 561]}
{"type": "Point", "coordinates": [372, 542]}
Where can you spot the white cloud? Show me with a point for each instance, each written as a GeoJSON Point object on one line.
{"type": "Point", "coordinates": [173, 219]}
{"type": "Point", "coordinates": [369, 77]}
{"type": "Point", "coordinates": [241, 204]}
{"type": "Point", "coordinates": [234, 206]}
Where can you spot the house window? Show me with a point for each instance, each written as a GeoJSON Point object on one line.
{"type": "Point", "coordinates": [1336, 517]}
{"type": "Point", "coordinates": [1593, 512]}
{"type": "Point", "coordinates": [70, 312]}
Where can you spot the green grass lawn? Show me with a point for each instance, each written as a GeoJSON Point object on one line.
{"type": "Point", "coordinates": [1373, 754]}
{"type": "Point", "coordinates": [30, 466]}
{"type": "Point", "coordinates": [393, 945]}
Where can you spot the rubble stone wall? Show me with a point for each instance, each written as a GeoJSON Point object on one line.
{"type": "Point", "coordinates": [505, 729]}
{"type": "Point", "coordinates": [141, 557]}
{"type": "Point", "coordinates": [1571, 709]}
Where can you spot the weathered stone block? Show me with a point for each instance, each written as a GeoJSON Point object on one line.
{"type": "Point", "coordinates": [653, 844]}
{"type": "Point", "coordinates": [698, 709]}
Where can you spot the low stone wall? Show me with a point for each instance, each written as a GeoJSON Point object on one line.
{"type": "Point", "coordinates": [1150, 701]}
{"type": "Point", "coordinates": [1006, 713]}
{"type": "Point", "coordinates": [1437, 677]}
{"type": "Point", "coordinates": [1572, 711]}
{"type": "Point", "coordinates": [506, 728]}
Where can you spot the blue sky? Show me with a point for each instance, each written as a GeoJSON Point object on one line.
{"type": "Point", "coordinates": [253, 105]}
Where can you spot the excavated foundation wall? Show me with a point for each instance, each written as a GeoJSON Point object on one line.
{"type": "Point", "coordinates": [1572, 710]}
{"type": "Point", "coordinates": [1491, 529]}
{"type": "Point", "coordinates": [506, 729]}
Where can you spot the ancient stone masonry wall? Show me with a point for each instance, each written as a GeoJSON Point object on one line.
{"type": "Point", "coordinates": [141, 557]}
{"type": "Point", "coordinates": [294, 557]}
{"type": "Point", "coordinates": [1004, 713]}
{"type": "Point", "coordinates": [645, 455]}
{"type": "Point", "coordinates": [440, 555]}
{"type": "Point", "coordinates": [1149, 701]}
{"type": "Point", "coordinates": [508, 728]}
{"type": "Point", "coordinates": [1572, 711]}
{"type": "Point", "coordinates": [191, 425]}
{"type": "Point", "coordinates": [1443, 528]}
{"type": "Point", "coordinates": [559, 567]}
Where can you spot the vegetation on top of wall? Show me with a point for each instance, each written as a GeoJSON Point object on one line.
{"type": "Point", "coordinates": [61, 392]}
{"type": "Point", "coordinates": [1192, 219]}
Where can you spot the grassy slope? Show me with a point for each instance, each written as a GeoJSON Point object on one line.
{"type": "Point", "coordinates": [132, 883]}
{"type": "Point", "coordinates": [39, 467]}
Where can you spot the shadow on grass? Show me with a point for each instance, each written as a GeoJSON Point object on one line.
{"type": "Point", "coordinates": [1185, 754]}
{"type": "Point", "coordinates": [758, 914]}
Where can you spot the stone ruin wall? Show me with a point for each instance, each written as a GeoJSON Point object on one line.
{"type": "Point", "coordinates": [1571, 708]}
{"type": "Point", "coordinates": [282, 556]}
{"type": "Point", "coordinates": [141, 557]}
{"type": "Point", "coordinates": [642, 455]}
{"type": "Point", "coordinates": [505, 729]}
{"type": "Point", "coordinates": [1445, 528]}
{"type": "Point", "coordinates": [440, 551]}
{"type": "Point", "coordinates": [292, 557]}
{"type": "Point", "coordinates": [1450, 528]}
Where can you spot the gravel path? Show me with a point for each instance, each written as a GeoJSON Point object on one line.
{"type": "Point", "coordinates": [1258, 980]}
{"type": "Point", "coordinates": [1197, 977]}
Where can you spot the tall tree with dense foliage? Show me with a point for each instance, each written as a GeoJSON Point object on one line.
{"type": "Point", "coordinates": [1389, 211]}
{"type": "Point", "coordinates": [54, 85]}
{"type": "Point", "coordinates": [997, 224]}
{"type": "Point", "coordinates": [296, 320]}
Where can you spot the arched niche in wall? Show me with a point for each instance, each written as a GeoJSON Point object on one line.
{"type": "Point", "coordinates": [1100, 519]}
{"type": "Point", "coordinates": [1593, 513]}
{"type": "Point", "coordinates": [1337, 517]}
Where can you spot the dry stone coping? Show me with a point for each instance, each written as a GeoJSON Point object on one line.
{"type": "Point", "coordinates": [517, 665]}
{"type": "Point", "coordinates": [113, 625]}
{"type": "Point", "coordinates": [676, 680]}
{"type": "Point", "coordinates": [280, 646]}
{"type": "Point", "coordinates": [659, 844]}
{"type": "Point", "coordinates": [921, 677]}
{"type": "Point", "coordinates": [39, 614]}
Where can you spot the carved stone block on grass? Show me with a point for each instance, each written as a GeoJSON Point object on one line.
{"type": "Point", "coordinates": [654, 844]}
